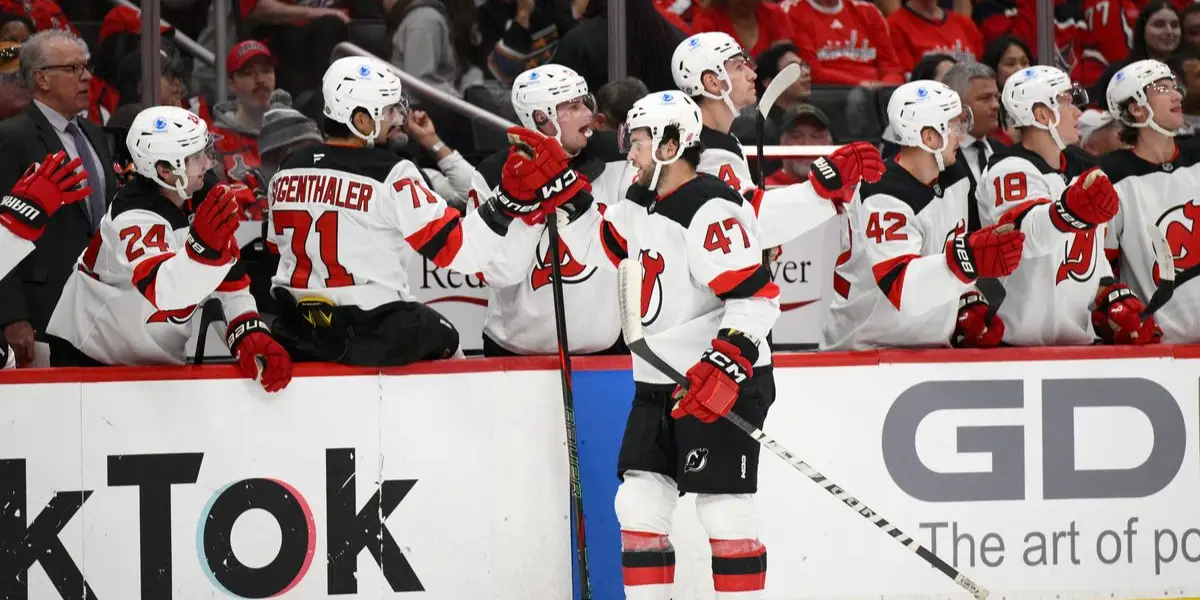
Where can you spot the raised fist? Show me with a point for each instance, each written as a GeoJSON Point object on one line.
{"type": "Point", "coordinates": [1088, 202]}
{"type": "Point", "coordinates": [537, 176]}
{"type": "Point", "coordinates": [993, 251]}
{"type": "Point", "coordinates": [834, 177]}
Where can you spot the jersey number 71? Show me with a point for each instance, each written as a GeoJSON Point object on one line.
{"type": "Point", "coordinates": [301, 222]}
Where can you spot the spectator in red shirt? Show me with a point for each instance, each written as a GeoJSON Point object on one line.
{"type": "Point", "coordinates": [921, 27]}
{"type": "Point", "coordinates": [755, 24]}
{"type": "Point", "coordinates": [845, 41]}
{"type": "Point", "coordinates": [803, 125]}
{"type": "Point", "coordinates": [236, 123]}
{"type": "Point", "coordinates": [45, 14]}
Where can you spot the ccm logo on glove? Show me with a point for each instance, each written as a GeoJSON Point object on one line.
{"type": "Point", "coordinates": [727, 365]}
{"type": "Point", "coordinates": [561, 183]}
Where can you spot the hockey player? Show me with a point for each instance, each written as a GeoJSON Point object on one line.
{"type": "Point", "coordinates": [908, 277]}
{"type": "Point", "coordinates": [554, 100]}
{"type": "Point", "coordinates": [347, 217]}
{"type": "Point", "coordinates": [26, 209]}
{"type": "Point", "coordinates": [137, 285]}
{"type": "Point", "coordinates": [1156, 182]}
{"type": "Point", "coordinates": [1051, 191]}
{"type": "Point", "coordinates": [698, 243]}
{"type": "Point", "coordinates": [714, 70]}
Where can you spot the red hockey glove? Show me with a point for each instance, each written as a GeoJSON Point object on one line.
{"type": "Point", "coordinates": [250, 340]}
{"type": "Point", "coordinates": [834, 177]}
{"type": "Point", "coordinates": [250, 206]}
{"type": "Point", "coordinates": [211, 239]}
{"type": "Point", "coordinates": [1090, 201]}
{"type": "Point", "coordinates": [537, 176]}
{"type": "Point", "coordinates": [993, 251]}
{"type": "Point", "coordinates": [973, 330]}
{"type": "Point", "coordinates": [1115, 316]}
{"type": "Point", "coordinates": [714, 382]}
{"type": "Point", "coordinates": [40, 192]}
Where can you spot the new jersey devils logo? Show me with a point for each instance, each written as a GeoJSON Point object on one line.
{"type": "Point", "coordinates": [572, 271]}
{"type": "Point", "coordinates": [652, 295]}
{"type": "Point", "coordinates": [1080, 261]}
{"type": "Point", "coordinates": [1179, 225]}
{"type": "Point", "coordinates": [176, 317]}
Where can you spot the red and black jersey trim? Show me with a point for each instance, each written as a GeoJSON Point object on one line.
{"type": "Point", "coordinates": [682, 204]}
{"type": "Point", "coordinates": [145, 276]}
{"type": "Point", "coordinates": [750, 282]}
{"type": "Point", "coordinates": [615, 246]}
{"type": "Point", "coordinates": [439, 240]}
{"type": "Point", "coordinates": [1016, 214]}
{"type": "Point", "coordinates": [889, 275]}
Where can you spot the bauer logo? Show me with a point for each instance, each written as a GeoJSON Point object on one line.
{"type": "Point", "coordinates": [1039, 446]}
{"type": "Point", "coordinates": [352, 527]}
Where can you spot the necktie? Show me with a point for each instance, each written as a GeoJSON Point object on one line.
{"type": "Point", "coordinates": [95, 176]}
{"type": "Point", "coordinates": [981, 156]}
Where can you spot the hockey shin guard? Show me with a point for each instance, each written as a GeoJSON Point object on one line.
{"type": "Point", "coordinates": [739, 569]}
{"type": "Point", "coordinates": [647, 565]}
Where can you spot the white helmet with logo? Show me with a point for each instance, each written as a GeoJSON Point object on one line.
{"type": "Point", "coordinates": [1130, 83]}
{"type": "Point", "coordinates": [542, 89]}
{"type": "Point", "coordinates": [1036, 85]}
{"type": "Point", "coordinates": [658, 111]}
{"type": "Point", "coordinates": [167, 134]}
{"type": "Point", "coordinates": [701, 53]}
{"type": "Point", "coordinates": [354, 83]}
{"type": "Point", "coordinates": [922, 104]}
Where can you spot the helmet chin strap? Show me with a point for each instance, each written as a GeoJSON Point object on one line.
{"type": "Point", "coordinates": [1052, 128]}
{"type": "Point", "coordinates": [724, 96]}
{"type": "Point", "coordinates": [937, 152]}
{"type": "Point", "coordinates": [1150, 122]}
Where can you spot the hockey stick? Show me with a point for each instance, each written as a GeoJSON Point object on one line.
{"type": "Point", "coordinates": [564, 368]}
{"type": "Point", "coordinates": [785, 78]}
{"type": "Point", "coordinates": [1166, 272]}
{"type": "Point", "coordinates": [210, 312]}
{"type": "Point", "coordinates": [629, 286]}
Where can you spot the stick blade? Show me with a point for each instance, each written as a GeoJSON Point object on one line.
{"type": "Point", "coordinates": [629, 289]}
{"type": "Point", "coordinates": [785, 78]}
{"type": "Point", "coordinates": [1162, 253]}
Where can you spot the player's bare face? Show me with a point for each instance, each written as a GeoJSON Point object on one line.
{"type": "Point", "coordinates": [575, 122]}
{"type": "Point", "coordinates": [641, 156]}
{"type": "Point", "coordinates": [742, 76]}
{"type": "Point", "coordinates": [957, 128]}
{"type": "Point", "coordinates": [1165, 97]}
{"type": "Point", "coordinates": [391, 123]}
{"type": "Point", "coordinates": [1068, 123]}
{"type": "Point", "coordinates": [195, 166]}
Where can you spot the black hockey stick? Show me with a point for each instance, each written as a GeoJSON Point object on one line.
{"type": "Point", "coordinates": [781, 82]}
{"type": "Point", "coordinates": [210, 312]}
{"type": "Point", "coordinates": [629, 278]}
{"type": "Point", "coordinates": [564, 368]}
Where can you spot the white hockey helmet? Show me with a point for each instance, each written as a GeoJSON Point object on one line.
{"type": "Point", "coordinates": [922, 104]}
{"type": "Point", "coordinates": [656, 112]}
{"type": "Point", "coordinates": [354, 83]}
{"type": "Point", "coordinates": [1131, 83]}
{"type": "Point", "coordinates": [1043, 85]}
{"type": "Point", "coordinates": [542, 89]}
{"type": "Point", "coordinates": [169, 134]}
{"type": "Point", "coordinates": [704, 52]}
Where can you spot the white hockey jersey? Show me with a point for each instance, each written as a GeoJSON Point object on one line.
{"type": "Point", "coordinates": [1059, 276]}
{"type": "Point", "coordinates": [13, 249]}
{"type": "Point", "coordinates": [702, 269]}
{"type": "Point", "coordinates": [137, 285]}
{"type": "Point", "coordinates": [1166, 196]}
{"type": "Point", "coordinates": [892, 285]}
{"type": "Point", "coordinates": [520, 310]}
{"type": "Point", "coordinates": [347, 220]}
{"type": "Point", "coordinates": [781, 210]}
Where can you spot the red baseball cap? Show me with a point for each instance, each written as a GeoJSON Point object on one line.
{"type": "Point", "coordinates": [241, 54]}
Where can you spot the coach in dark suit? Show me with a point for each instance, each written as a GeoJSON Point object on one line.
{"type": "Point", "coordinates": [54, 65]}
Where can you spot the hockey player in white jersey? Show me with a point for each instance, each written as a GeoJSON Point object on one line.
{"type": "Point", "coordinates": [26, 208]}
{"type": "Point", "coordinates": [1052, 191]}
{"type": "Point", "coordinates": [137, 285]}
{"type": "Point", "coordinates": [909, 278]}
{"type": "Point", "coordinates": [719, 76]}
{"type": "Point", "coordinates": [698, 243]}
{"type": "Point", "coordinates": [554, 100]}
{"type": "Point", "coordinates": [1157, 182]}
{"type": "Point", "coordinates": [348, 216]}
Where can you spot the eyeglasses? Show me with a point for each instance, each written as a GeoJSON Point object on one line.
{"type": "Point", "coordinates": [76, 69]}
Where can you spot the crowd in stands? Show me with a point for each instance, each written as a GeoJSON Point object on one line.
{"type": "Point", "coordinates": [853, 54]}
